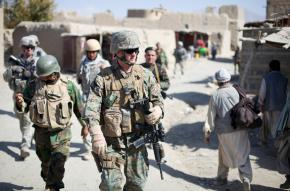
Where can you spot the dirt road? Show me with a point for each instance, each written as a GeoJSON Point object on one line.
{"type": "Point", "coordinates": [191, 165]}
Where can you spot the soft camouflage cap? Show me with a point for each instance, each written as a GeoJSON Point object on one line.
{"type": "Point", "coordinates": [124, 40]}
{"type": "Point", "coordinates": [27, 41]}
{"type": "Point", "coordinates": [92, 45]}
{"type": "Point", "coordinates": [223, 75]}
{"type": "Point", "coordinates": [47, 65]}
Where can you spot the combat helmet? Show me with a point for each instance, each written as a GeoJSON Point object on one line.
{"type": "Point", "coordinates": [33, 36]}
{"type": "Point", "coordinates": [92, 45]}
{"type": "Point", "coordinates": [27, 41]}
{"type": "Point", "coordinates": [124, 40]}
{"type": "Point", "coordinates": [47, 65]}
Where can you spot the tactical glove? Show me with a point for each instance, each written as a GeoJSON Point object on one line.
{"type": "Point", "coordinates": [99, 144]}
{"type": "Point", "coordinates": [19, 100]}
{"type": "Point", "coordinates": [154, 116]}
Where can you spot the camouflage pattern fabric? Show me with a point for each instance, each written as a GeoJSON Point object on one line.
{"type": "Point", "coordinates": [52, 148]}
{"type": "Point", "coordinates": [164, 79]}
{"type": "Point", "coordinates": [135, 170]}
{"type": "Point", "coordinates": [162, 58]}
{"type": "Point", "coordinates": [136, 161]}
{"type": "Point", "coordinates": [88, 72]}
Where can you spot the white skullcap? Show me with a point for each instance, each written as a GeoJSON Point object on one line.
{"type": "Point", "coordinates": [223, 75]}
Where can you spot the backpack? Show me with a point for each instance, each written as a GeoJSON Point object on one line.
{"type": "Point", "coordinates": [242, 114]}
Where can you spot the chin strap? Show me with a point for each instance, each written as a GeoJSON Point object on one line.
{"type": "Point", "coordinates": [123, 59]}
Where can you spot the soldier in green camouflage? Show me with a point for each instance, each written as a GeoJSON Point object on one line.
{"type": "Point", "coordinates": [113, 119]}
{"type": "Point", "coordinates": [51, 99]}
{"type": "Point", "coordinates": [158, 70]}
{"type": "Point", "coordinates": [161, 56]}
{"type": "Point", "coordinates": [20, 71]}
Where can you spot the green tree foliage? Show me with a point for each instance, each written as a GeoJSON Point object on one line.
{"type": "Point", "coordinates": [16, 11]}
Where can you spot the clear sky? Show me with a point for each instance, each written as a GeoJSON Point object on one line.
{"type": "Point", "coordinates": [254, 8]}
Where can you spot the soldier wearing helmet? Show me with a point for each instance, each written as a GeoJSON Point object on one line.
{"type": "Point", "coordinates": [51, 99]}
{"type": "Point", "coordinates": [115, 121]}
{"type": "Point", "coordinates": [38, 50]}
{"type": "Point", "coordinates": [90, 66]}
{"type": "Point", "coordinates": [20, 71]}
{"type": "Point", "coordinates": [180, 55]}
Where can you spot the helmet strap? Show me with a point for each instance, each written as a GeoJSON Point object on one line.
{"type": "Point", "coordinates": [123, 59]}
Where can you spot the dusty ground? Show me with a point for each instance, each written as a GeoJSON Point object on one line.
{"type": "Point", "coordinates": [191, 165]}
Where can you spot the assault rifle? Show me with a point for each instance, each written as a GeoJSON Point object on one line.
{"type": "Point", "coordinates": [15, 61]}
{"type": "Point", "coordinates": [151, 134]}
{"type": "Point", "coordinates": [98, 161]}
{"type": "Point", "coordinates": [165, 95]}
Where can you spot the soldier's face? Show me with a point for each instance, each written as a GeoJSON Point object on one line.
{"type": "Point", "coordinates": [92, 55]}
{"type": "Point", "coordinates": [28, 51]}
{"type": "Point", "coordinates": [150, 57]}
{"type": "Point", "coordinates": [50, 79]}
{"type": "Point", "coordinates": [130, 55]}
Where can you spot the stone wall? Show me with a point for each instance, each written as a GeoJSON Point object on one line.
{"type": "Point", "coordinates": [51, 37]}
{"type": "Point", "coordinates": [2, 40]}
{"type": "Point", "coordinates": [277, 8]}
{"type": "Point", "coordinates": [263, 54]}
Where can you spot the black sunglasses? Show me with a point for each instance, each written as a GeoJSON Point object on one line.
{"type": "Point", "coordinates": [132, 50]}
{"type": "Point", "coordinates": [29, 47]}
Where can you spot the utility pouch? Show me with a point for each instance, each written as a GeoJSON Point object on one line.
{"type": "Point", "coordinates": [110, 100]}
{"type": "Point", "coordinates": [112, 122]}
{"type": "Point", "coordinates": [38, 111]}
{"type": "Point", "coordinates": [64, 111]}
{"type": "Point", "coordinates": [112, 162]}
{"type": "Point", "coordinates": [126, 124]}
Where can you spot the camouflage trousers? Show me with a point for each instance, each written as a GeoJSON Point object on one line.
{"type": "Point", "coordinates": [52, 148]}
{"type": "Point", "coordinates": [25, 128]}
{"type": "Point", "coordinates": [128, 172]}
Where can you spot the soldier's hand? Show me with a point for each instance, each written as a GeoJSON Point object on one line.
{"type": "Point", "coordinates": [85, 132]}
{"type": "Point", "coordinates": [19, 99]}
{"type": "Point", "coordinates": [154, 116]}
{"type": "Point", "coordinates": [99, 145]}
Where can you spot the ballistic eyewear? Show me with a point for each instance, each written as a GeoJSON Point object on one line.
{"type": "Point", "coordinates": [131, 51]}
{"type": "Point", "coordinates": [29, 47]}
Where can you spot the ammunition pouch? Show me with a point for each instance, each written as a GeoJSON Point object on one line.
{"type": "Point", "coordinates": [111, 162]}
{"type": "Point", "coordinates": [126, 123]}
{"type": "Point", "coordinates": [112, 122]}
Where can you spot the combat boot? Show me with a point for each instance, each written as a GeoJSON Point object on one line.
{"type": "Point", "coordinates": [24, 152]}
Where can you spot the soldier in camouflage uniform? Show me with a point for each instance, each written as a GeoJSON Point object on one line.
{"type": "Point", "coordinates": [161, 56]}
{"type": "Point", "coordinates": [113, 123]}
{"type": "Point", "coordinates": [51, 99]}
{"type": "Point", "coordinates": [158, 70]}
{"type": "Point", "coordinates": [20, 71]}
{"type": "Point", "coordinates": [38, 52]}
{"type": "Point", "coordinates": [90, 66]}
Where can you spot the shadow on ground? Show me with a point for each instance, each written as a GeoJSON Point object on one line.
{"type": "Point", "coordinates": [192, 98]}
{"type": "Point", "coordinates": [6, 148]}
{"type": "Point", "coordinates": [224, 60]}
{"type": "Point", "coordinates": [5, 186]}
{"type": "Point", "coordinates": [190, 135]}
{"type": "Point", "coordinates": [207, 183]}
{"type": "Point", "coordinates": [9, 113]}
{"type": "Point", "coordinates": [80, 150]}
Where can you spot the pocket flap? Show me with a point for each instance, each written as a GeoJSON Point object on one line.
{"type": "Point", "coordinates": [40, 105]}
{"type": "Point", "coordinates": [66, 109]}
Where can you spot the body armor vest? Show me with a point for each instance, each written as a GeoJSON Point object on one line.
{"type": "Point", "coordinates": [119, 117]}
{"type": "Point", "coordinates": [51, 106]}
